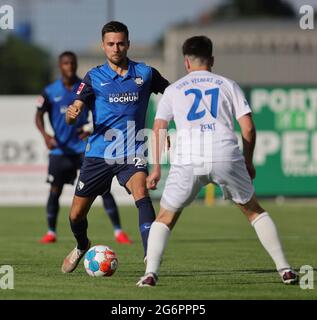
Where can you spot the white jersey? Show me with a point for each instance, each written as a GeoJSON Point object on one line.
{"type": "Point", "coordinates": [207, 103]}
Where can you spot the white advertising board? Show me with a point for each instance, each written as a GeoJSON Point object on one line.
{"type": "Point", "coordinates": [23, 157]}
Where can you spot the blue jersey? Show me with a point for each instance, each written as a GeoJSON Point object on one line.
{"type": "Point", "coordinates": [55, 100]}
{"type": "Point", "coordinates": [119, 106]}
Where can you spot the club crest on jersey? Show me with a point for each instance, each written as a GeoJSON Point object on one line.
{"type": "Point", "coordinates": [139, 81]}
{"type": "Point", "coordinates": [80, 88]}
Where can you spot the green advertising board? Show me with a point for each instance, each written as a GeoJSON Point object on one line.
{"type": "Point", "coordinates": [286, 149]}
{"type": "Point", "coordinates": [285, 156]}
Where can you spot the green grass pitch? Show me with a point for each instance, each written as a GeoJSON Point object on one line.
{"type": "Point", "coordinates": [213, 253]}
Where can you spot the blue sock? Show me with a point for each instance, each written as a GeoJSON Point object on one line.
{"type": "Point", "coordinates": [52, 209]}
{"type": "Point", "coordinates": [79, 229]}
{"type": "Point", "coordinates": [112, 210]}
{"type": "Point", "coordinates": [146, 217]}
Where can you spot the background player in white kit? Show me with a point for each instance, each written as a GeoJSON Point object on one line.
{"type": "Point", "coordinates": [207, 103]}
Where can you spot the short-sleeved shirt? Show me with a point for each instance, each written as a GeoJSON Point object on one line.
{"type": "Point", "coordinates": [203, 106]}
{"type": "Point", "coordinates": [55, 100]}
{"type": "Point", "coordinates": [119, 106]}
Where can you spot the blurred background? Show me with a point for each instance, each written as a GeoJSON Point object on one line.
{"type": "Point", "coordinates": [258, 43]}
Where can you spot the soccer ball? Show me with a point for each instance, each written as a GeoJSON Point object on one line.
{"type": "Point", "coordinates": [100, 261]}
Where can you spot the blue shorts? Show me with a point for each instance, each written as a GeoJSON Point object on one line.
{"type": "Point", "coordinates": [96, 176]}
{"type": "Point", "coordinates": [62, 169]}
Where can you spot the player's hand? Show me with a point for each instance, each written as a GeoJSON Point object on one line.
{"type": "Point", "coordinates": [82, 133]}
{"type": "Point", "coordinates": [153, 179]}
{"type": "Point", "coordinates": [72, 113]}
{"type": "Point", "coordinates": [251, 170]}
{"type": "Point", "coordinates": [50, 142]}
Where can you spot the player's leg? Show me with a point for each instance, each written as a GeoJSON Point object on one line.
{"type": "Point", "coordinates": [267, 233]}
{"type": "Point", "coordinates": [94, 179]}
{"type": "Point", "coordinates": [52, 209]}
{"type": "Point", "coordinates": [137, 186]}
{"type": "Point", "coordinates": [265, 230]}
{"type": "Point", "coordinates": [157, 242]}
{"type": "Point", "coordinates": [236, 184]}
{"type": "Point", "coordinates": [78, 219]}
{"type": "Point", "coordinates": [57, 177]}
{"type": "Point", "coordinates": [111, 208]}
{"type": "Point", "coordinates": [180, 190]}
{"type": "Point", "coordinates": [79, 225]}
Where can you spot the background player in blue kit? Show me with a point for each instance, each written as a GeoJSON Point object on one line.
{"type": "Point", "coordinates": [67, 145]}
{"type": "Point", "coordinates": [118, 93]}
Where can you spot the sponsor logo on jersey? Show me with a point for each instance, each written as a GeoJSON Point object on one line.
{"type": "Point", "coordinates": [80, 88]}
{"type": "Point", "coordinates": [125, 97]}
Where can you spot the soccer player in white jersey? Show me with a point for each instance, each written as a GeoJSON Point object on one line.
{"type": "Point", "coordinates": [206, 103]}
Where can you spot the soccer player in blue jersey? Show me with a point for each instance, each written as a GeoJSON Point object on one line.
{"type": "Point", "coordinates": [118, 93]}
{"type": "Point", "coordinates": [67, 145]}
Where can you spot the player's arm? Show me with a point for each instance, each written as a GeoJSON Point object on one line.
{"type": "Point", "coordinates": [164, 115]}
{"type": "Point", "coordinates": [158, 141]}
{"type": "Point", "coordinates": [243, 115]}
{"type": "Point", "coordinates": [87, 129]}
{"type": "Point", "coordinates": [85, 94]}
{"type": "Point", "coordinates": [248, 133]}
{"type": "Point", "coordinates": [158, 83]}
{"type": "Point", "coordinates": [44, 106]}
{"type": "Point", "coordinates": [73, 111]}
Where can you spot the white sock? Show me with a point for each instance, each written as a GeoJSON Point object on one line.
{"type": "Point", "coordinates": [157, 241]}
{"type": "Point", "coordinates": [268, 236]}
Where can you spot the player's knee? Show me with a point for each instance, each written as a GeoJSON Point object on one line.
{"type": "Point", "coordinates": [252, 206]}
{"type": "Point", "coordinates": [77, 214]}
{"type": "Point", "coordinates": [80, 208]}
{"type": "Point", "coordinates": [56, 190]}
{"type": "Point", "coordinates": [139, 193]}
{"type": "Point", "coordinates": [252, 209]}
{"type": "Point", "coordinates": [167, 218]}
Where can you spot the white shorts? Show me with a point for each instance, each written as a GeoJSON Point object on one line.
{"type": "Point", "coordinates": [183, 183]}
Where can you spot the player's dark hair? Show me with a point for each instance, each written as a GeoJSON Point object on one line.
{"type": "Point", "coordinates": [67, 54]}
{"type": "Point", "coordinates": [199, 47]}
{"type": "Point", "coordinates": [115, 26]}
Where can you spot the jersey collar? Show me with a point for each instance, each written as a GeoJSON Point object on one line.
{"type": "Point", "coordinates": [74, 87]}
{"type": "Point", "coordinates": [114, 75]}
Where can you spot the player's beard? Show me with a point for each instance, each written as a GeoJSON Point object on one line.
{"type": "Point", "coordinates": [118, 60]}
